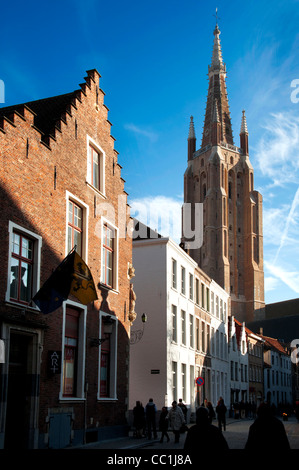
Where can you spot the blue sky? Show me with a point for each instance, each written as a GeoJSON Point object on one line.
{"type": "Point", "coordinates": [153, 57]}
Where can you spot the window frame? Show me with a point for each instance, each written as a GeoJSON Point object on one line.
{"type": "Point", "coordinates": [106, 222]}
{"type": "Point", "coordinates": [85, 217]}
{"type": "Point", "coordinates": [37, 245]}
{"type": "Point", "coordinates": [81, 348]}
{"type": "Point", "coordinates": [92, 144]}
{"type": "Point", "coordinates": [112, 359]}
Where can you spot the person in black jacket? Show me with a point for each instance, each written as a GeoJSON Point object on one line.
{"type": "Point", "coordinates": [221, 414]}
{"type": "Point", "coordinates": [204, 435]}
{"type": "Point", "coordinates": [267, 433]}
{"type": "Point", "coordinates": [163, 424]}
{"type": "Point", "coordinates": [150, 413]}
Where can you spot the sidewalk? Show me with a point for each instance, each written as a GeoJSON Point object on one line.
{"type": "Point", "coordinates": [131, 442]}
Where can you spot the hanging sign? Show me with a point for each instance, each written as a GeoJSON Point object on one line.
{"type": "Point", "coordinates": [199, 381]}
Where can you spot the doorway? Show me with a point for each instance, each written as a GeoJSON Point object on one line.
{"type": "Point", "coordinates": [21, 392]}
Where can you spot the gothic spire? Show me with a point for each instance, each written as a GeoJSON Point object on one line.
{"type": "Point", "coordinates": [191, 129]}
{"type": "Point", "coordinates": [217, 93]}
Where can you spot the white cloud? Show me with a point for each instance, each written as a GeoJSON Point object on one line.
{"type": "Point", "coordinates": [152, 136]}
{"type": "Point", "coordinates": [271, 283]}
{"type": "Point", "coordinates": [277, 151]}
{"type": "Point", "coordinates": [290, 278]}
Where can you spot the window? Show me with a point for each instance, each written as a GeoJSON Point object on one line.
{"type": "Point", "coordinates": [208, 298]}
{"type": "Point", "coordinates": [197, 334]}
{"type": "Point", "coordinates": [73, 351]}
{"type": "Point", "coordinates": [109, 255]}
{"type": "Point", "coordinates": [202, 295]}
{"type": "Point", "coordinates": [183, 326]}
{"type": "Point", "coordinates": [23, 279]}
{"type": "Point", "coordinates": [197, 291]}
{"type": "Point", "coordinates": [174, 273]}
{"type": "Point", "coordinates": [174, 323]}
{"type": "Point", "coordinates": [21, 268]}
{"type": "Point", "coordinates": [75, 227]}
{"type": "Point", "coordinates": [183, 286]}
{"type": "Point", "coordinates": [184, 382]}
{"type": "Point", "coordinates": [174, 381]}
{"type": "Point", "coordinates": [212, 303]}
{"type": "Point", "coordinates": [70, 363]}
{"type": "Point", "coordinates": [191, 325]}
{"type": "Point", "coordinates": [191, 286]}
{"type": "Point", "coordinates": [95, 166]}
{"type": "Point", "coordinates": [108, 355]}
{"type": "Point", "coordinates": [203, 336]}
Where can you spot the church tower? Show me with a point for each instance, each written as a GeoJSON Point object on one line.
{"type": "Point", "coordinates": [220, 176]}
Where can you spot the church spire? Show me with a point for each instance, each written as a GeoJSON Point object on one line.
{"type": "Point", "coordinates": [191, 139]}
{"type": "Point", "coordinates": [217, 93]}
{"type": "Point", "coordinates": [244, 135]}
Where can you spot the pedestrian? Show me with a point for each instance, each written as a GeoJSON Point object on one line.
{"type": "Point", "coordinates": [139, 419]}
{"type": "Point", "coordinates": [211, 412]}
{"type": "Point", "coordinates": [205, 435]}
{"type": "Point", "coordinates": [267, 433]}
{"type": "Point", "coordinates": [176, 420]}
{"type": "Point", "coordinates": [150, 414]}
{"type": "Point", "coordinates": [221, 414]}
{"type": "Point", "coordinates": [183, 408]}
{"type": "Point", "coordinates": [163, 424]}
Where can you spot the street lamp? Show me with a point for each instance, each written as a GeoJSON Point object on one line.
{"type": "Point", "coordinates": [107, 330]}
{"type": "Point", "coordinates": [137, 334]}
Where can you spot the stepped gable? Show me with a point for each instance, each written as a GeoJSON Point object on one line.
{"type": "Point", "coordinates": [49, 112]}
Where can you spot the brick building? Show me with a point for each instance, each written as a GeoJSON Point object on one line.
{"type": "Point", "coordinates": [61, 187]}
{"type": "Point", "coordinates": [220, 176]}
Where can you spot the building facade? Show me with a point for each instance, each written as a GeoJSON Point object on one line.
{"type": "Point", "coordinates": [220, 176]}
{"type": "Point", "coordinates": [277, 373]}
{"type": "Point", "coordinates": [256, 367]}
{"type": "Point", "coordinates": [61, 187]}
{"type": "Point", "coordinates": [239, 364]}
{"type": "Point", "coordinates": [184, 336]}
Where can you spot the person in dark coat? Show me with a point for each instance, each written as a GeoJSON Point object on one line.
{"type": "Point", "coordinates": [163, 424]}
{"type": "Point", "coordinates": [205, 435]}
{"type": "Point", "coordinates": [139, 419]}
{"type": "Point", "coordinates": [211, 412]}
{"type": "Point", "coordinates": [221, 414]}
{"type": "Point", "coordinates": [150, 413]}
{"type": "Point", "coordinates": [267, 433]}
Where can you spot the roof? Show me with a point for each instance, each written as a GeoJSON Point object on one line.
{"type": "Point", "coordinates": [47, 111]}
{"type": "Point", "coordinates": [274, 343]}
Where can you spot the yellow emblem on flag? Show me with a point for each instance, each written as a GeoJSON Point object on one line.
{"type": "Point", "coordinates": [82, 286]}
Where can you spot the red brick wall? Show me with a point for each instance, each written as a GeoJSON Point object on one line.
{"type": "Point", "coordinates": [29, 198]}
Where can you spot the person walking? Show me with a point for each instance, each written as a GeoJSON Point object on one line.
{"type": "Point", "coordinates": [183, 408]}
{"type": "Point", "coordinates": [211, 412]}
{"type": "Point", "coordinates": [176, 420]}
{"type": "Point", "coordinates": [150, 414]}
{"type": "Point", "coordinates": [139, 419]}
{"type": "Point", "coordinates": [208, 436]}
{"type": "Point", "coordinates": [221, 414]}
{"type": "Point", "coordinates": [163, 424]}
{"type": "Point", "coordinates": [267, 433]}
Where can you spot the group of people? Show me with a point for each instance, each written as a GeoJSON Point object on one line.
{"type": "Point", "coordinates": [265, 433]}
{"type": "Point", "coordinates": [144, 420]}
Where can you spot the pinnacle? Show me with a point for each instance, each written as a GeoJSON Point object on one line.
{"type": "Point", "coordinates": [244, 129]}
{"type": "Point", "coordinates": [191, 129]}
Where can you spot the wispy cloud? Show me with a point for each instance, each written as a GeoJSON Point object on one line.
{"type": "Point", "coordinates": [290, 224]}
{"type": "Point", "coordinates": [277, 152]}
{"type": "Point", "coordinates": [288, 277]}
{"type": "Point", "coordinates": [152, 136]}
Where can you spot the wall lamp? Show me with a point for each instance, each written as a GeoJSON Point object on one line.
{"type": "Point", "coordinates": [107, 330]}
{"type": "Point", "coordinates": [137, 334]}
